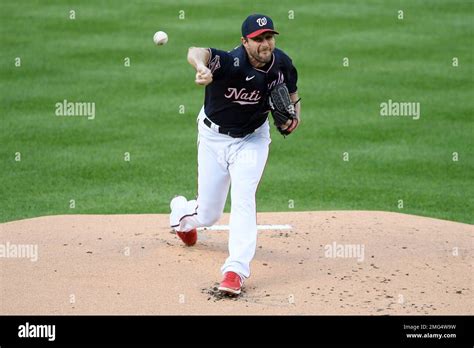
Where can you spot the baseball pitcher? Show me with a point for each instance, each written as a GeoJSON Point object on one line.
{"type": "Point", "coordinates": [242, 87]}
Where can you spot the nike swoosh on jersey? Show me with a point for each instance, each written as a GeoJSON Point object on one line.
{"type": "Point", "coordinates": [249, 78]}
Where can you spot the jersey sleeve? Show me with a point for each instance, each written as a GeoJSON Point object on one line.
{"type": "Point", "coordinates": [219, 62]}
{"type": "Point", "coordinates": [292, 77]}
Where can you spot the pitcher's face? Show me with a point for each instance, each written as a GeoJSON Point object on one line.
{"type": "Point", "coordinates": [260, 47]}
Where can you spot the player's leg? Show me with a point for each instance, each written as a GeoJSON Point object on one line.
{"type": "Point", "coordinates": [213, 183]}
{"type": "Point", "coordinates": [246, 171]}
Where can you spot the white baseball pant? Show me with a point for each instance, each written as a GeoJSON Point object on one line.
{"type": "Point", "coordinates": [224, 161]}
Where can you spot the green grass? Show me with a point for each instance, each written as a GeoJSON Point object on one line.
{"type": "Point", "coordinates": [137, 107]}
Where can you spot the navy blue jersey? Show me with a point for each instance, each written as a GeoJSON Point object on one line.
{"type": "Point", "coordinates": [237, 97]}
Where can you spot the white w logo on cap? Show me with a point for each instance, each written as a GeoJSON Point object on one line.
{"type": "Point", "coordinates": [262, 21]}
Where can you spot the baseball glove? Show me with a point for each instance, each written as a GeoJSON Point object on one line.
{"type": "Point", "coordinates": [282, 108]}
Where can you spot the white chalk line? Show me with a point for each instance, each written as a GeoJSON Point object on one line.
{"type": "Point", "coordinates": [259, 227]}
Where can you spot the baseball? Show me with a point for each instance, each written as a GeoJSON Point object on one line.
{"type": "Point", "coordinates": [160, 38]}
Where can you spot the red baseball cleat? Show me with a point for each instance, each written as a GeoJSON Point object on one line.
{"type": "Point", "coordinates": [232, 283]}
{"type": "Point", "coordinates": [189, 238]}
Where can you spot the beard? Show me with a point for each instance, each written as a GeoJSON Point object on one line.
{"type": "Point", "coordinates": [261, 59]}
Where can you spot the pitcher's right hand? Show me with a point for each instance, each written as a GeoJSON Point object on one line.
{"type": "Point", "coordinates": [203, 75]}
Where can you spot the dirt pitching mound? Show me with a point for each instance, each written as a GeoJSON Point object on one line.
{"type": "Point", "coordinates": [333, 262]}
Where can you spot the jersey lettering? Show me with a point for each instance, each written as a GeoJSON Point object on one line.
{"type": "Point", "coordinates": [279, 80]}
{"type": "Point", "coordinates": [242, 97]}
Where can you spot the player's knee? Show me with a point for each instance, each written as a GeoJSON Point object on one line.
{"type": "Point", "coordinates": [209, 218]}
